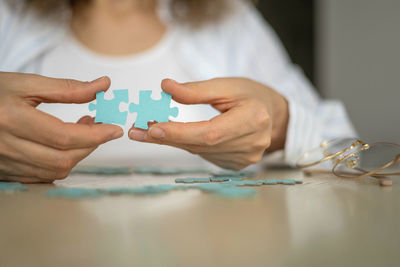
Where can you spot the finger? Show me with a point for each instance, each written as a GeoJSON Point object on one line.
{"type": "Point", "coordinates": [37, 89]}
{"type": "Point", "coordinates": [86, 120]}
{"type": "Point", "coordinates": [37, 126]}
{"type": "Point", "coordinates": [23, 180]}
{"type": "Point", "coordinates": [216, 91]}
{"type": "Point", "coordinates": [59, 162]}
{"type": "Point", "coordinates": [205, 133]}
{"type": "Point", "coordinates": [23, 170]}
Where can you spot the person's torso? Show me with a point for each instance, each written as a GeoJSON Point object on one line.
{"type": "Point", "coordinates": [143, 71]}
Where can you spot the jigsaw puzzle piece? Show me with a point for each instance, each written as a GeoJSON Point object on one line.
{"type": "Point", "coordinates": [192, 180]}
{"type": "Point", "coordinates": [74, 193]}
{"type": "Point", "coordinates": [152, 110]}
{"type": "Point", "coordinates": [107, 111]}
{"type": "Point", "coordinates": [9, 187]}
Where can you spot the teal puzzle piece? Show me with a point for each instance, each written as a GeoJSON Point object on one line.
{"type": "Point", "coordinates": [269, 181]}
{"type": "Point", "coordinates": [236, 192]}
{"type": "Point", "coordinates": [227, 191]}
{"type": "Point", "coordinates": [74, 193]}
{"type": "Point", "coordinates": [102, 170]}
{"type": "Point", "coordinates": [192, 180]}
{"type": "Point", "coordinates": [152, 110]}
{"type": "Point", "coordinates": [107, 111]}
{"type": "Point", "coordinates": [229, 173]}
{"type": "Point", "coordinates": [12, 187]}
{"type": "Point", "coordinates": [243, 183]}
{"type": "Point", "coordinates": [142, 190]}
{"type": "Point", "coordinates": [167, 171]}
{"type": "Point", "coordinates": [219, 179]}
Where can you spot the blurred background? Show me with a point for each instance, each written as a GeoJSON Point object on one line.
{"type": "Point", "coordinates": [350, 51]}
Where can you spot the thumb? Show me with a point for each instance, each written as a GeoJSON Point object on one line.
{"type": "Point", "coordinates": [50, 90]}
{"type": "Point", "coordinates": [204, 92]}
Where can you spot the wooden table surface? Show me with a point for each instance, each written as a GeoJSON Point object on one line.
{"type": "Point", "coordinates": [324, 222]}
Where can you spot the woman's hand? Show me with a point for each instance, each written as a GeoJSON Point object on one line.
{"type": "Point", "coordinates": [253, 119]}
{"type": "Point", "coordinates": [36, 147]}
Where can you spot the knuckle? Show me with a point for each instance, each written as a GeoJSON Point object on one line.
{"type": "Point", "coordinates": [46, 175]}
{"type": "Point", "coordinates": [62, 140]}
{"type": "Point", "coordinates": [68, 84]}
{"type": "Point", "coordinates": [60, 175]}
{"type": "Point", "coordinates": [64, 164]}
{"type": "Point", "coordinates": [262, 118]}
{"type": "Point", "coordinates": [253, 159]}
{"type": "Point", "coordinates": [211, 137]}
{"type": "Point", "coordinates": [262, 144]}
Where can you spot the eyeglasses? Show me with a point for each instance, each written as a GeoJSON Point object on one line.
{"type": "Point", "coordinates": [353, 159]}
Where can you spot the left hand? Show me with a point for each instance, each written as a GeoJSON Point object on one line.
{"type": "Point", "coordinates": [253, 119]}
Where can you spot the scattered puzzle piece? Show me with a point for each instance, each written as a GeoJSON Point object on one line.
{"type": "Point", "coordinates": [142, 190]}
{"type": "Point", "coordinates": [9, 187]}
{"type": "Point", "coordinates": [236, 192]}
{"type": "Point", "coordinates": [211, 188]}
{"type": "Point", "coordinates": [228, 173]}
{"type": "Point", "coordinates": [227, 191]}
{"type": "Point", "coordinates": [226, 188]}
{"type": "Point", "coordinates": [192, 180]}
{"type": "Point", "coordinates": [102, 170]}
{"type": "Point", "coordinates": [269, 182]}
{"type": "Point", "coordinates": [243, 183]}
{"type": "Point", "coordinates": [288, 182]}
{"type": "Point", "coordinates": [167, 171]}
{"type": "Point", "coordinates": [152, 110]}
{"type": "Point", "coordinates": [74, 193]}
{"type": "Point", "coordinates": [219, 179]}
{"type": "Point", "coordinates": [107, 111]}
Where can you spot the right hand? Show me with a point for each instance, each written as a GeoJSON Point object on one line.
{"type": "Point", "coordinates": [36, 147]}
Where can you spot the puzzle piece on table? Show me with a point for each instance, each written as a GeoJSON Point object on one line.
{"type": "Point", "coordinates": [238, 174]}
{"type": "Point", "coordinates": [243, 183]}
{"type": "Point", "coordinates": [219, 179]}
{"type": "Point", "coordinates": [102, 170]}
{"type": "Point", "coordinates": [236, 192]}
{"type": "Point", "coordinates": [107, 111]}
{"type": "Point", "coordinates": [9, 187]}
{"type": "Point", "coordinates": [167, 171]}
{"type": "Point", "coordinates": [280, 181]}
{"type": "Point", "coordinates": [152, 110]}
{"type": "Point", "coordinates": [226, 191]}
{"type": "Point", "coordinates": [288, 182]}
{"type": "Point", "coordinates": [269, 182]}
{"type": "Point", "coordinates": [225, 178]}
{"type": "Point", "coordinates": [216, 189]}
{"type": "Point", "coordinates": [74, 193]}
{"type": "Point", "coordinates": [142, 190]}
{"type": "Point", "coordinates": [192, 180]}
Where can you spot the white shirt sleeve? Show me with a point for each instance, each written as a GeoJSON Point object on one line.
{"type": "Point", "coordinates": [261, 56]}
{"type": "Point", "coordinates": [23, 35]}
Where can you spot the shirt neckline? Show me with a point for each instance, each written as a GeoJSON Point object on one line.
{"type": "Point", "coordinates": [147, 55]}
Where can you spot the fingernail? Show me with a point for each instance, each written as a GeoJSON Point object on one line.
{"type": "Point", "coordinates": [172, 80]}
{"type": "Point", "coordinates": [117, 135]}
{"type": "Point", "coordinates": [157, 133]}
{"type": "Point", "coordinates": [137, 135]}
{"type": "Point", "coordinates": [98, 79]}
